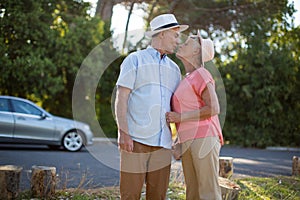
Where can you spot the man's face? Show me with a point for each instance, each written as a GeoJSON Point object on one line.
{"type": "Point", "coordinates": [170, 40]}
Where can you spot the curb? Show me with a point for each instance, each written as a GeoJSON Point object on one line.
{"type": "Point", "coordinates": [283, 149]}
{"type": "Point", "coordinates": [104, 139]}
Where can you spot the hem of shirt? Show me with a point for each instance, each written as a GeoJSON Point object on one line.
{"type": "Point", "coordinates": [145, 143]}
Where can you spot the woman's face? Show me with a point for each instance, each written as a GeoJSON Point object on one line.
{"type": "Point", "coordinates": [188, 49]}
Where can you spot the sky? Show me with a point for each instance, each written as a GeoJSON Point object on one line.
{"type": "Point", "coordinates": [120, 15]}
{"type": "Point", "coordinates": [297, 14]}
{"type": "Point", "coordinates": [135, 27]}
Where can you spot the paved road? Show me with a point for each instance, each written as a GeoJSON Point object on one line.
{"type": "Point", "coordinates": [260, 162]}
{"type": "Point", "coordinates": [74, 169]}
{"type": "Point", "coordinates": [98, 165]}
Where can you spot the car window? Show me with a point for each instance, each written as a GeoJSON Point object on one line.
{"type": "Point", "coordinates": [26, 108]}
{"type": "Point", "coordinates": [4, 105]}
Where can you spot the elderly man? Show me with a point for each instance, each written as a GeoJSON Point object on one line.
{"type": "Point", "coordinates": [145, 85]}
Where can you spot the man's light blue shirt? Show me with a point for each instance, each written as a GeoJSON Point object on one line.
{"type": "Point", "coordinates": [152, 81]}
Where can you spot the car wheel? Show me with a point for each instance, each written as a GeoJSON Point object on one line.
{"type": "Point", "coordinates": [73, 141]}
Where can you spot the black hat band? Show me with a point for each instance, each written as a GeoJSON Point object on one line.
{"type": "Point", "coordinates": [166, 26]}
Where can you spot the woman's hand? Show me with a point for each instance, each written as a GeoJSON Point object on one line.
{"type": "Point", "coordinates": [173, 117]}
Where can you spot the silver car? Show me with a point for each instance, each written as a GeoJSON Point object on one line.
{"type": "Point", "coordinates": [22, 121]}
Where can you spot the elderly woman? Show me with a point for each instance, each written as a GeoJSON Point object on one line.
{"type": "Point", "coordinates": [196, 108]}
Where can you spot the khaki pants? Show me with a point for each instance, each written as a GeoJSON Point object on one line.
{"type": "Point", "coordinates": [200, 163]}
{"type": "Point", "coordinates": [147, 164]}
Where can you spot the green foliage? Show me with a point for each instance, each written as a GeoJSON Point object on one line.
{"type": "Point", "coordinates": [219, 15]}
{"type": "Point", "coordinates": [270, 188]}
{"type": "Point", "coordinates": [77, 34]}
{"type": "Point", "coordinates": [176, 190]}
{"type": "Point", "coordinates": [43, 45]}
{"type": "Point", "coordinates": [25, 60]}
{"type": "Point", "coordinates": [262, 85]}
{"type": "Point", "coordinates": [106, 90]}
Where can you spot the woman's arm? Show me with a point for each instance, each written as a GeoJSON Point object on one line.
{"type": "Point", "coordinates": [210, 109]}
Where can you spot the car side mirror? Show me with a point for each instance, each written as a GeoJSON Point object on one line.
{"type": "Point", "coordinates": [43, 116]}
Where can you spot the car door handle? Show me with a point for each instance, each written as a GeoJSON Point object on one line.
{"type": "Point", "coordinates": [21, 118]}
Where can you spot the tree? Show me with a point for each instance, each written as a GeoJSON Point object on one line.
{"type": "Point", "coordinates": [77, 35]}
{"type": "Point", "coordinates": [43, 44]}
{"type": "Point", "coordinates": [25, 59]}
{"type": "Point", "coordinates": [262, 83]}
{"type": "Point", "coordinates": [104, 10]}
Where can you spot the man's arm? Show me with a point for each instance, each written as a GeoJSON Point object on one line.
{"type": "Point", "coordinates": [121, 105]}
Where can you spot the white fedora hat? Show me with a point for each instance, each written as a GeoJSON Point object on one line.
{"type": "Point", "coordinates": [164, 22]}
{"type": "Point", "coordinates": [207, 48]}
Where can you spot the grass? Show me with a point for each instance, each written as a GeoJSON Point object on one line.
{"type": "Point", "coordinates": [282, 187]}
{"type": "Point", "coordinates": [254, 188]}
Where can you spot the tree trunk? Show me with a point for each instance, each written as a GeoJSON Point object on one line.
{"type": "Point", "coordinates": [104, 9]}
{"type": "Point", "coordinates": [9, 181]}
{"type": "Point", "coordinates": [43, 181]}
{"type": "Point", "coordinates": [226, 167]}
{"type": "Point", "coordinates": [229, 189]}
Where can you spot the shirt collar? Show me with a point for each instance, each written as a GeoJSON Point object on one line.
{"type": "Point", "coordinates": [155, 53]}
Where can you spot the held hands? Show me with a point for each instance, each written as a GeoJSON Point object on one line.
{"type": "Point", "coordinates": [173, 117]}
{"type": "Point", "coordinates": [125, 142]}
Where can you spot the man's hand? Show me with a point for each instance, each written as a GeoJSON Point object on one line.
{"type": "Point", "coordinates": [125, 142]}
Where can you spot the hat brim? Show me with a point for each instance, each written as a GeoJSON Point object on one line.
{"type": "Point", "coordinates": [207, 48]}
{"type": "Point", "coordinates": [181, 29]}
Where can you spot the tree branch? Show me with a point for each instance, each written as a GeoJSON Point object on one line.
{"type": "Point", "coordinates": [127, 24]}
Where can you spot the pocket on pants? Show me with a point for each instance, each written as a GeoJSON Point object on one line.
{"type": "Point", "coordinates": [206, 146]}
